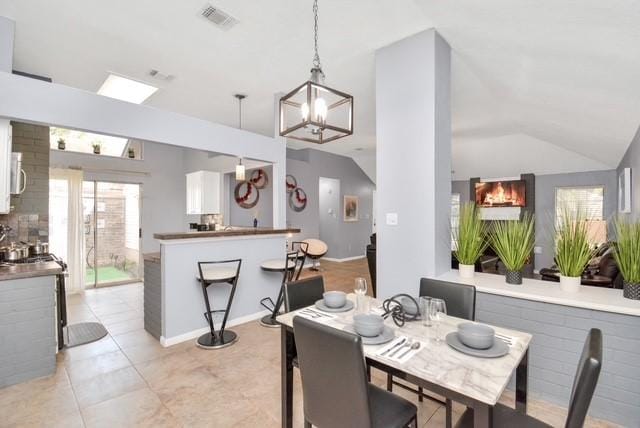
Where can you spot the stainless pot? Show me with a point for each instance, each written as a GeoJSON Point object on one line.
{"type": "Point", "coordinates": [15, 252]}
{"type": "Point", "coordinates": [38, 248]}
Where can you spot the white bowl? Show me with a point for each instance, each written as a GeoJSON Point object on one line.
{"type": "Point", "coordinates": [334, 299]}
{"type": "Point", "coordinates": [477, 336]}
{"type": "Point", "coordinates": [368, 325]}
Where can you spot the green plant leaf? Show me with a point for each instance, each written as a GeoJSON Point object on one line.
{"type": "Point", "coordinates": [627, 249]}
{"type": "Point", "coordinates": [573, 250]}
{"type": "Point", "coordinates": [471, 235]}
{"type": "Point", "coordinates": [513, 241]}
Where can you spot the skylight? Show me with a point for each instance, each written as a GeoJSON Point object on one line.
{"type": "Point", "coordinates": [125, 89]}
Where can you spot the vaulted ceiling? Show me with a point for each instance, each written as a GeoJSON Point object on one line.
{"type": "Point", "coordinates": [556, 79]}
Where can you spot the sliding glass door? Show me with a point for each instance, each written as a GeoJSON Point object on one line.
{"type": "Point", "coordinates": [111, 214]}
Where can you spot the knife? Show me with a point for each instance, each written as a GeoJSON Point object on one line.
{"type": "Point", "coordinates": [404, 339]}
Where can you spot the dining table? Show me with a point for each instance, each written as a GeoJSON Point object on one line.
{"type": "Point", "coordinates": [475, 382]}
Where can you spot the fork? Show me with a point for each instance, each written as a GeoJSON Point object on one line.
{"type": "Point", "coordinates": [407, 344]}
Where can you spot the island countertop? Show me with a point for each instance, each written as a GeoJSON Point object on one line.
{"type": "Point", "coordinates": [235, 231]}
{"type": "Point", "coordinates": [29, 270]}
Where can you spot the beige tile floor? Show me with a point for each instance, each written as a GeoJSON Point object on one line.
{"type": "Point", "coordinates": [128, 379]}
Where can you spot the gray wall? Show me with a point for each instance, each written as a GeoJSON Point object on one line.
{"type": "Point", "coordinates": [631, 159]}
{"type": "Point", "coordinates": [546, 198]}
{"type": "Point", "coordinates": [307, 166]}
{"type": "Point", "coordinates": [163, 186]}
{"type": "Point", "coordinates": [29, 216]}
{"type": "Point", "coordinates": [558, 337]}
{"type": "Point", "coordinates": [239, 216]}
{"type": "Point", "coordinates": [545, 203]}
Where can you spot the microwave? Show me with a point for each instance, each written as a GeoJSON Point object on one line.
{"type": "Point", "coordinates": [18, 181]}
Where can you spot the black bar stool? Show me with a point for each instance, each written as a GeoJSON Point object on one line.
{"type": "Point", "coordinates": [218, 272]}
{"type": "Point", "coordinates": [291, 268]}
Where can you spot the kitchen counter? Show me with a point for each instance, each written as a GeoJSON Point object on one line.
{"type": "Point", "coordinates": [589, 297]}
{"type": "Point", "coordinates": [29, 270]}
{"type": "Point", "coordinates": [235, 231]}
{"type": "Point", "coordinates": [152, 257]}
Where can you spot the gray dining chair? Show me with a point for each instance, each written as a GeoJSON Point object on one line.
{"type": "Point", "coordinates": [335, 389]}
{"type": "Point", "coordinates": [584, 385]}
{"type": "Point", "coordinates": [461, 303]}
{"type": "Point", "coordinates": [302, 293]}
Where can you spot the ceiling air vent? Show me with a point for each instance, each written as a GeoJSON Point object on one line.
{"type": "Point", "coordinates": [218, 17]}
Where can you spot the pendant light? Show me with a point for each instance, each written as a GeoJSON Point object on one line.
{"type": "Point", "coordinates": [314, 112]}
{"type": "Point", "coordinates": [240, 171]}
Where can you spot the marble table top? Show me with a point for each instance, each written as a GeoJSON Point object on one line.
{"type": "Point", "coordinates": [482, 379]}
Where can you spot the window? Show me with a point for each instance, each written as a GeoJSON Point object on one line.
{"type": "Point", "coordinates": [455, 218]}
{"type": "Point", "coordinates": [590, 202]}
{"type": "Point", "coordinates": [84, 142]}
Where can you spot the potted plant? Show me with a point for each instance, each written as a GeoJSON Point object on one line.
{"type": "Point", "coordinates": [61, 144]}
{"type": "Point", "coordinates": [470, 239]}
{"type": "Point", "coordinates": [96, 148]}
{"type": "Point", "coordinates": [573, 250]}
{"type": "Point", "coordinates": [513, 242]}
{"type": "Point", "coordinates": [627, 256]}
{"type": "Point", "coordinates": [131, 152]}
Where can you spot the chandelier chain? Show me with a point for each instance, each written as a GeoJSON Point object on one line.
{"type": "Point", "coordinates": [316, 57]}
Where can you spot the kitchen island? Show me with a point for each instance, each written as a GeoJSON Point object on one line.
{"type": "Point", "coordinates": [174, 304]}
{"type": "Point", "coordinates": [28, 334]}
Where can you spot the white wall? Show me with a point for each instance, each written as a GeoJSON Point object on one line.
{"type": "Point", "coordinates": [34, 101]}
{"type": "Point", "coordinates": [413, 128]}
{"type": "Point", "coordinates": [7, 32]}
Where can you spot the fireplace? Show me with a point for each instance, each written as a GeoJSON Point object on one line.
{"type": "Point", "coordinates": [501, 193]}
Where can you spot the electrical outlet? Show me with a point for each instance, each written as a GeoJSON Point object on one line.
{"type": "Point", "coordinates": [392, 219]}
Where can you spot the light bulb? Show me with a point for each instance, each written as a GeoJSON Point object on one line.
{"type": "Point", "coordinates": [240, 172]}
{"type": "Point", "coordinates": [304, 110]}
{"type": "Point", "coordinates": [320, 108]}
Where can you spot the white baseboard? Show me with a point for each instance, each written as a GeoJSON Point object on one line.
{"type": "Point", "coordinates": [346, 259]}
{"type": "Point", "coordinates": [199, 332]}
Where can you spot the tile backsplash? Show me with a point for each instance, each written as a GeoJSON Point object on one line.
{"type": "Point", "coordinates": [29, 217]}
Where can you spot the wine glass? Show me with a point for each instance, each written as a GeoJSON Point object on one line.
{"type": "Point", "coordinates": [361, 294]}
{"type": "Point", "coordinates": [438, 309]}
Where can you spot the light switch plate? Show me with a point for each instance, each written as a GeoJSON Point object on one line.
{"type": "Point", "coordinates": [537, 250]}
{"type": "Point", "coordinates": [392, 219]}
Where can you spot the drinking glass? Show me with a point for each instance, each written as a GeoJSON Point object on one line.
{"type": "Point", "coordinates": [425, 307]}
{"type": "Point", "coordinates": [362, 303]}
{"type": "Point", "coordinates": [438, 309]}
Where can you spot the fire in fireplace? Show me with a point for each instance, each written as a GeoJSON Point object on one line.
{"type": "Point", "coordinates": [501, 194]}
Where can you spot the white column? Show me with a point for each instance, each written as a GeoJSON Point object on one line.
{"type": "Point", "coordinates": [413, 130]}
{"type": "Point", "coordinates": [279, 171]}
{"type": "Point", "coordinates": [7, 31]}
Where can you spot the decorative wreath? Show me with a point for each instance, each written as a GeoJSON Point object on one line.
{"type": "Point", "coordinates": [291, 183]}
{"type": "Point", "coordinates": [259, 178]}
{"type": "Point", "coordinates": [297, 199]}
{"type": "Point", "coordinates": [246, 194]}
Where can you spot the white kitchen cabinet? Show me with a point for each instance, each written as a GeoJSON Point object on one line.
{"type": "Point", "coordinates": [5, 166]}
{"type": "Point", "coordinates": [203, 192]}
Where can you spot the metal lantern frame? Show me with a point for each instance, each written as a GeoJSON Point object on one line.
{"type": "Point", "coordinates": [310, 87]}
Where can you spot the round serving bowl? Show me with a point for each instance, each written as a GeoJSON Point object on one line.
{"type": "Point", "coordinates": [368, 325]}
{"type": "Point", "coordinates": [334, 299]}
{"type": "Point", "coordinates": [477, 336]}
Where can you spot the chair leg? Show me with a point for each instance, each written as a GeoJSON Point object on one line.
{"type": "Point", "coordinates": [449, 413]}
{"type": "Point", "coordinates": [389, 382]}
{"type": "Point", "coordinates": [307, 424]}
{"type": "Point", "coordinates": [420, 392]}
{"type": "Point", "coordinates": [368, 373]}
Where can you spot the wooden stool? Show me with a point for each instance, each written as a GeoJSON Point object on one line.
{"type": "Point", "coordinates": [315, 250]}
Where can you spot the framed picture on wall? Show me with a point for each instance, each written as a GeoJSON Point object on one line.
{"type": "Point", "coordinates": [350, 208]}
{"type": "Point", "coordinates": [624, 191]}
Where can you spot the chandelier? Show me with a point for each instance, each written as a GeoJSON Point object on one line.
{"type": "Point", "coordinates": [314, 112]}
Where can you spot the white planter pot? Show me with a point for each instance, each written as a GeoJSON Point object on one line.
{"type": "Point", "coordinates": [570, 284]}
{"type": "Point", "coordinates": [466, 271]}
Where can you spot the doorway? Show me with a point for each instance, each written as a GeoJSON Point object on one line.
{"type": "Point", "coordinates": [111, 215]}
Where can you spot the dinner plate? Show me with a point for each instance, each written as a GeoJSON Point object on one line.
{"type": "Point", "coordinates": [387, 335]}
{"type": "Point", "coordinates": [498, 349]}
{"type": "Point", "coordinates": [347, 306]}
